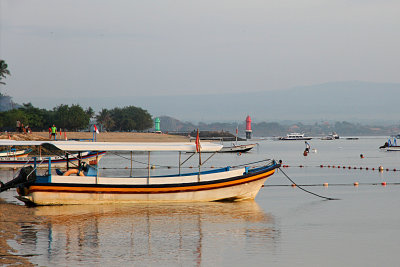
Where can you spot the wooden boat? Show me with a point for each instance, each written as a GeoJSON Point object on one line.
{"type": "Point", "coordinates": [13, 153]}
{"type": "Point", "coordinates": [237, 148]}
{"type": "Point", "coordinates": [295, 136]}
{"type": "Point", "coordinates": [87, 187]}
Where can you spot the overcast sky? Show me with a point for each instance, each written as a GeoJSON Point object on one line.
{"type": "Point", "coordinates": [139, 48]}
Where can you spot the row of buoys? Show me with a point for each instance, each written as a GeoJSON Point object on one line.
{"type": "Point", "coordinates": [380, 168]}
{"type": "Point", "coordinates": [355, 184]}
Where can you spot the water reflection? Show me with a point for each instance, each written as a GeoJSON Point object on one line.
{"type": "Point", "coordinates": [195, 234]}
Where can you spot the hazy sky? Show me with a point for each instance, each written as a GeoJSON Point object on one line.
{"type": "Point", "coordinates": [138, 48]}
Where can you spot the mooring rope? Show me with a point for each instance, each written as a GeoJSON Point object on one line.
{"type": "Point", "coordinates": [305, 190]}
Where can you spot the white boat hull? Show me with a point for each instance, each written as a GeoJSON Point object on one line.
{"type": "Point", "coordinates": [236, 193]}
{"type": "Point", "coordinates": [391, 148]}
{"type": "Point", "coordinates": [237, 148]}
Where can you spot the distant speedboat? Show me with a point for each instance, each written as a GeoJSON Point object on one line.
{"type": "Point", "coordinates": [236, 148]}
{"type": "Point", "coordinates": [295, 136]}
{"type": "Point", "coordinates": [331, 136]}
{"type": "Point", "coordinates": [334, 135]}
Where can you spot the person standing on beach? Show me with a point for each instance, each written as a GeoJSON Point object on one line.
{"type": "Point", "coordinates": [53, 132]}
{"type": "Point", "coordinates": [18, 126]}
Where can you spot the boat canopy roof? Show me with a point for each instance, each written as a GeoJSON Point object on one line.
{"type": "Point", "coordinates": [115, 146]}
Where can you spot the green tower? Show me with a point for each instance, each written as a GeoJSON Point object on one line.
{"type": "Point", "coordinates": [157, 125]}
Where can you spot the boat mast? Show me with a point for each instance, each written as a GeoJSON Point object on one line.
{"type": "Point", "coordinates": [237, 131]}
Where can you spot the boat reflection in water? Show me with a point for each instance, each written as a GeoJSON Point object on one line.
{"type": "Point", "coordinates": [149, 234]}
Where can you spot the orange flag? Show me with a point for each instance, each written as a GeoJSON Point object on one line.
{"type": "Point", "coordinates": [198, 146]}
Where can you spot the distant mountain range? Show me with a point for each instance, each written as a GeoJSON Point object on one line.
{"type": "Point", "coordinates": [337, 101]}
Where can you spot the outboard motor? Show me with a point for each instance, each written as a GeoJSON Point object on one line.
{"type": "Point", "coordinates": [26, 175]}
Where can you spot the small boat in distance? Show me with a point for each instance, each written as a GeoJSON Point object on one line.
{"type": "Point", "coordinates": [334, 135]}
{"type": "Point", "coordinates": [61, 161]}
{"type": "Point", "coordinates": [331, 136]}
{"type": "Point", "coordinates": [390, 145]}
{"type": "Point", "coordinates": [13, 153]}
{"type": "Point", "coordinates": [235, 148]}
{"type": "Point", "coordinates": [84, 185]}
{"type": "Point", "coordinates": [294, 136]}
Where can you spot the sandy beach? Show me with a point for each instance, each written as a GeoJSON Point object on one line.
{"type": "Point", "coordinates": [101, 137]}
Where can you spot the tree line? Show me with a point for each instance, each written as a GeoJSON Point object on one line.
{"type": "Point", "coordinates": [75, 118]}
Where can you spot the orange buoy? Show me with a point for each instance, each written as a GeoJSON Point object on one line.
{"type": "Point", "coordinates": [380, 168]}
{"type": "Point", "coordinates": [383, 183]}
{"type": "Point", "coordinates": [355, 183]}
{"type": "Point", "coordinates": [325, 184]}
{"type": "Point", "coordinates": [293, 185]}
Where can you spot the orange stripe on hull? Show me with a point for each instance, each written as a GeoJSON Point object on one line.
{"type": "Point", "coordinates": [94, 189]}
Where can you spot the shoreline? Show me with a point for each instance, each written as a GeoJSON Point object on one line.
{"type": "Point", "coordinates": [101, 137]}
{"type": "Point", "coordinates": [12, 216]}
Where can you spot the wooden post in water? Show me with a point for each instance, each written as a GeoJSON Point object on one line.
{"type": "Point", "coordinates": [148, 169]}
{"type": "Point", "coordinates": [180, 152]}
{"type": "Point", "coordinates": [130, 175]}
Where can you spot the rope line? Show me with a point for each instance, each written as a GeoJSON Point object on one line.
{"type": "Point", "coordinates": [305, 190]}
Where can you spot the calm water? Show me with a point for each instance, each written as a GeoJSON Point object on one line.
{"type": "Point", "coordinates": [283, 227]}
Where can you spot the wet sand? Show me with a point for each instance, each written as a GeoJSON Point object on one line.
{"type": "Point", "coordinates": [12, 216]}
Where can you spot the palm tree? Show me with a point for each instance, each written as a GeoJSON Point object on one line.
{"type": "Point", "coordinates": [3, 70]}
{"type": "Point", "coordinates": [105, 119]}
